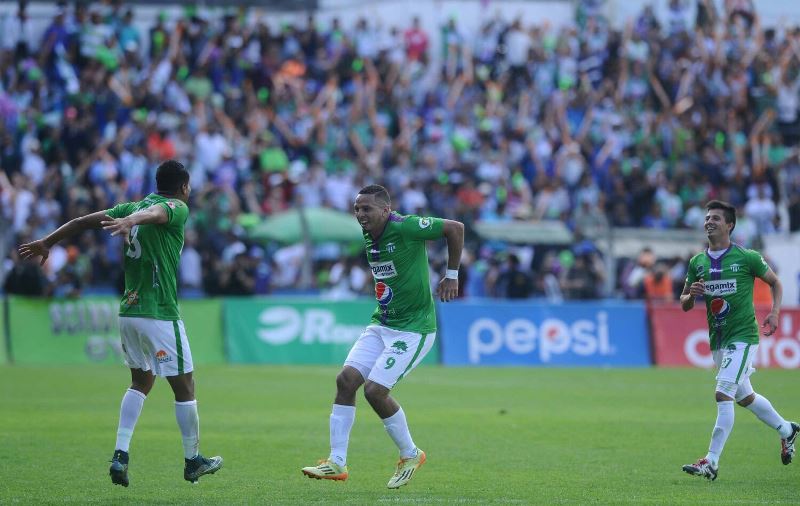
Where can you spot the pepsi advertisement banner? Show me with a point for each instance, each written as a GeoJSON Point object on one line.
{"type": "Point", "coordinates": [541, 334]}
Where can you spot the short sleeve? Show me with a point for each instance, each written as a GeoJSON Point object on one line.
{"type": "Point", "coordinates": [122, 210]}
{"type": "Point", "coordinates": [691, 272]}
{"type": "Point", "coordinates": [758, 266]}
{"type": "Point", "coordinates": [177, 212]}
{"type": "Point", "coordinates": [422, 228]}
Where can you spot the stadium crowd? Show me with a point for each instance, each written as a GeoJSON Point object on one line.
{"type": "Point", "coordinates": [596, 127]}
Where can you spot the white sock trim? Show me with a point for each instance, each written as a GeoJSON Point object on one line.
{"type": "Point", "coordinates": [137, 393]}
{"type": "Point", "coordinates": [342, 410]}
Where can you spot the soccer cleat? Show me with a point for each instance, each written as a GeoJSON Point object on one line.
{"type": "Point", "coordinates": [406, 469]}
{"type": "Point", "coordinates": [119, 468]}
{"type": "Point", "coordinates": [787, 445]}
{"type": "Point", "coordinates": [704, 468]}
{"type": "Point", "coordinates": [327, 470]}
{"type": "Point", "coordinates": [199, 466]}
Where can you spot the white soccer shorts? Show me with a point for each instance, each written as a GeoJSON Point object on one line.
{"type": "Point", "coordinates": [159, 346]}
{"type": "Point", "coordinates": [386, 356]}
{"type": "Point", "coordinates": [735, 362]}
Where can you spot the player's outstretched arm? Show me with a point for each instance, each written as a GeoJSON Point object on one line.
{"type": "Point", "coordinates": [453, 232]}
{"type": "Point", "coordinates": [775, 286]}
{"type": "Point", "coordinates": [41, 247]}
{"type": "Point", "coordinates": [689, 293]}
{"type": "Point", "coordinates": [153, 215]}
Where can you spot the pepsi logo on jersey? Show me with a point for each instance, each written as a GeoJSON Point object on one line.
{"type": "Point", "coordinates": [720, 308]}
{"type": "Point", "coordinates": [383, 293]}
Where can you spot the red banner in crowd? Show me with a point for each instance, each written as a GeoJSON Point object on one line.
{"type": "Point", "coordinates": [681, 339]}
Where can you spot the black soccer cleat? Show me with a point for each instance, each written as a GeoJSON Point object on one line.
{"type": "Point", "coordinates": [199, 465]}
{"type": "Point", "coordinates": [119, 468]}
{"type": "Point", "coordinates": [787, 445]}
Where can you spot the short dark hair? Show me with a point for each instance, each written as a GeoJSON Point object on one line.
{"type": "Point", "coordinates": [728, 211]}
{"type": "Point", "coordinates": [381, 195]}
{"type": "Point", "coordinates": [170, 176]}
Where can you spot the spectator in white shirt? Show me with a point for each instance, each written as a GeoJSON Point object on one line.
{"type": "Point", "coordinates": [762, 211]}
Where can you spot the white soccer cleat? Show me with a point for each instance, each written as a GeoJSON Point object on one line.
{"type": "Point", "coordinates": [327, 470]}
{"type": "Point", "coordinates": [702, 467]}
{"type": "Point", "coordinates": [406, 469]}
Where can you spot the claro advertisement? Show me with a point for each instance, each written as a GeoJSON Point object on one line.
{"type": "Point", "coordinates": [681, 339]}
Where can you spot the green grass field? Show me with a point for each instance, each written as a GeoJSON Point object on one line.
{"type": "Point", "coordinates": [493, 436]}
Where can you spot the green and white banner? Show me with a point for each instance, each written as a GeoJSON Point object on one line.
{"type": "Point", "coordinates": [295, 330]}
{"type": "Point", "coordinates": [266, 330]}
{"type": "Point", "coordinates": [86, 330]}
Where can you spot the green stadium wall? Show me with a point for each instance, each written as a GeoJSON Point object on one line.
{"type": "Point", "coordinates": [268, 330]}
{"type": "Point", "coordinates": [85, 330]}
{"type": "Point", "coordinates": [296, 330]}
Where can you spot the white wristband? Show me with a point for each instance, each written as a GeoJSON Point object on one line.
{"type": "Point", "coordinates": [451, 274]}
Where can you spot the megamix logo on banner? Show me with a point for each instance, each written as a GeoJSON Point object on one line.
{"type": "Point", "coordinates": [681, 339]}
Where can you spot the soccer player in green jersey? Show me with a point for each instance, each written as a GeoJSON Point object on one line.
{"type": "Point", "coordinates": [724, 276]}
{"type": "Point", "coordinates": [402, 330]}
{"type": "Point", "coordinates": [153, 337]}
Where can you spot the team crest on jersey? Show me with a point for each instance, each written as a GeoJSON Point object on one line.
{"type": "Point", "coordinates": [699, 271]}
{"type": "Point", "coordinates": [383, 293]}
{"type": "Point", "coordinates": [735, 267]}
{"type": "Point", "coordinates": [383, 270]}
{"type": "Point", "coordinates": [720, 308]}
{"type": "Point", "coordinates": [390, 247]}
{"type": "Point", "coordinates": [399, 347]}
{"type": "Point", "coordinates": [424, 222]}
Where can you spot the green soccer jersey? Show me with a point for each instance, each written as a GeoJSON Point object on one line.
{"type": "Point", "coordinates": [151, 260]}
{"type": "Point", "coordinates": [399, 263]}
{"type": "Point", "coordinates": [729, 293]}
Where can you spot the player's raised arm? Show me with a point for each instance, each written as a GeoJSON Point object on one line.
{"type": "Point", "coordinates": [41, 247]}
{"type": "Point", "coordinates": [453, 232]}
{"type": "Point", "coordinates": [153, 215]}
{"type": "Point", "coordinates": [775, 286]}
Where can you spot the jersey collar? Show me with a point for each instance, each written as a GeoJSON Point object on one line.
{"type": "Point", "coordinates": [716, 263]}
